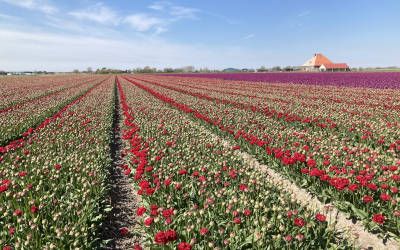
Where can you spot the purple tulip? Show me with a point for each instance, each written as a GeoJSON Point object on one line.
{"type": "Point", "coordinates": [381, 80]}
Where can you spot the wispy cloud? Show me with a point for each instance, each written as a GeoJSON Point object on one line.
{"type": "Point", "coordinates": [29, 50]}
{"type": "Point", "coordinates": [37, 5]}
{"type": "Point", "coordinates": [156, 23]}
{"type": "Point", "coordinates": [91, 36]}
{"type": "Point", "coordinates": [176, 11]}
{"type": "Point", "coordinates": [64, 24]}
{"type": "Point", "coordinates": [143, 22]}
{"type": "Point", "coordinates": [69, 25]}
{"type": "Point", "coordinates": [8, 17]}
{"type": "Point", "coordinates": [249, 36]}
{"type": "Point", "coordinates": [159, 5]}
{"type": "Point", "coordinates": [304, 13]}
{"type": "Point", "coordinates": [226, 19]}
{"type": "Point", "coordinates": [184, 12]}
{"type": "Point", "coordinates": [168, 14]}
{"type": "Point", "coordinates": [97, 13]}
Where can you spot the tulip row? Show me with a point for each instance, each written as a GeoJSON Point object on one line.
{"type": "Point", "coordinates": [17, 90]}
{"type": "Point", "coordinates": [52, 189]}
{"type": "Point", "coordinates": [31, 99]}
{"type": "Point", "coordinates": [197, 193]}
{"type": "Point", "coordinates": [348, 79]}
{"type": "Point", "coordinates": [359, 179]}
{"type": "Point", "coordinates": [374, 122]}
{"type": "Point", "coordinates": [210, 95]}
{"type": "Point", "coordinates": [30, 114]}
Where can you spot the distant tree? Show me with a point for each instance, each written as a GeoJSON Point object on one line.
{"type": "Point", "coordinates": [262, 69]}
{"type": "Point", "coordinates": [76, 71]}
{"type": "Point", "coordinates": [178, 70]}
{"type": "Point", "coordinates": [149, 69]}
{"type": "Point", "coordinates": [103, 70]}
{"type": "Point", "coordinates": [146, 69]}
{"type": "Point", "coordinates": [204, 70]}
{"type": "Point", "coordinates": [89, 70]}
{"type": "Point", "coordinates": [110, 71]}
{"type": "Point", "coordinates": [188, 69]}
{"type": "Point", "coordinates": [168, 70]}
{"type": "Point", "coordinates": [288, 68]}
{"type": "Point", "coordinates": [276, 68]}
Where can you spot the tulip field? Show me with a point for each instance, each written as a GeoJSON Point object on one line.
{"type": "Point", "coordinates": [215, 161]}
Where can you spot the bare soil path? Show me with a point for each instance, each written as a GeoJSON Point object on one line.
{"type": "Point", "coordinates": [122, 196]}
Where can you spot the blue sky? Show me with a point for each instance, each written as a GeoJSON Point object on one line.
{"type": "Point", "coordinates": [69, 34]}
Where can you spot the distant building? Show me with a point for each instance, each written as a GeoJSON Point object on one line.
{"type": "Point", "coordinates": [334, 67]}
{"type": "Point", "coordinates": [231, 70]}
{"type": "Point", "coordinates": [248, 70]}
{"type": "Point", "coordinates": [319, 62]}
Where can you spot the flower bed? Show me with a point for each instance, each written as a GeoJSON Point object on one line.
{"type": "Point", "coordinates": [196, 193]}
{"type": "Point", "coordinates": [23, 120]}
{"type": "Point", "coordinates": [332, 168]}
{"type": "Point", "coordinates": [53, 187]}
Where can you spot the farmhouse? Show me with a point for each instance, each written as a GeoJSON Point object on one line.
{"type": "Point", "coordinates": [319, 62]}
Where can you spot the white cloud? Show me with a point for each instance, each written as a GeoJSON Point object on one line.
{"type": "Point", "coordinates": [160, 30]}
{"type": "Point", "coordinates": [73, 26]}
{"type": "Point", "coordinates": [176, 11]}
{"type": "Point", "coordinates": [64, 24]}
{"type": "Point", "coordinates": [97, 13]}
{"type": "Point", "coordinates": [8, 17]}
{"type": "Point", "coordinates": [159, 5]}
{"type": "Point", "coordinates": [226, 19]}
{"type": "Point", "coordinates": [38, 5]}
{"type": "Point", "coordinates": [141, 22]}
{"type": "Point", "coordinates": [144, 22]}
{"type": "Point", "coordinates": [249, 36]}
{"type": "Point", "coordinates": [28, 50]}
{"type": "Point", "coordinates": [183, 12]}
{"type": "Point", "coordinates": [304, 13]}
{"type": "Point", "coordinates": [171, 13]}
{"type": "Point", "coordinates": [23, 50]}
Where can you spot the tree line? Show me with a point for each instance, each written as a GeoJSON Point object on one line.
{"type": "Point", "coordinates": [186, 69]}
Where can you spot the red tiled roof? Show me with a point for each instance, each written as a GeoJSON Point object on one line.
{"type": "Point", "coordinates": [336, 66]}
{"type": "Point", "coordinates": [321, 59]}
